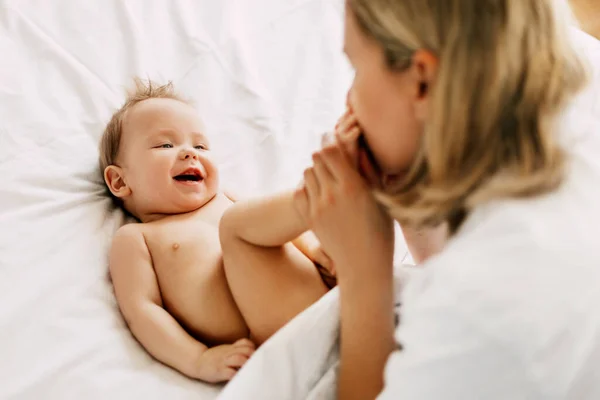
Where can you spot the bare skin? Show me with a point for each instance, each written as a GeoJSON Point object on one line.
{"type": "Point", "coordinates": [168, 271]}
{"type": "Point", "coordinates": [188, 265]}
{"type": "Point", "coordinates": [271, 279]}
{"type": "Point", "coordinates": [171, 289]}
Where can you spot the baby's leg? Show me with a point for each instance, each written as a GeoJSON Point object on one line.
{"type": "Point", "coordinates": [271, 280]}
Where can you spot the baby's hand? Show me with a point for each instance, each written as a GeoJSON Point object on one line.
{"type": "Point", "coordinates": [221, 363]}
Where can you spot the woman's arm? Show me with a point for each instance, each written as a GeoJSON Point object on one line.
{"type": "Point", "coordinates": [358, 235]}
{"type": "Point", "coordinates": [367, 333]}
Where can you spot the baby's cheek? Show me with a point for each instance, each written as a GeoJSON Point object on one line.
{"type": "Point", "coordinates": [212, 181]}
{"type": "Point", "coordinates": [211, 169]}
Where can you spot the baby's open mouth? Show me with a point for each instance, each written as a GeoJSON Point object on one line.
{"type": "Point", "coordinates": [184, 177]}
{"type": "Point", "coordinates": [189, 175]}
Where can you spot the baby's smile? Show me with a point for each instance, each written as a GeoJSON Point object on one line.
{"type": "Point", "coordinates": [190, 176]}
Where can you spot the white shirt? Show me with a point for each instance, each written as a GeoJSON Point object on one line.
{"type": "Point", "coordinates": [511, 308]}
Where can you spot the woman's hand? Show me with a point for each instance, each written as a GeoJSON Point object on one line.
{"type": "Point", "coordinates": [337, 204]}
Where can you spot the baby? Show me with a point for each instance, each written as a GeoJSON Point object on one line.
{"type": "Point", "coordinates": [199, 279]}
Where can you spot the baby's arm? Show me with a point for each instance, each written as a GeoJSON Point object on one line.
{"type": "Point", "coordinates": [139, 299]}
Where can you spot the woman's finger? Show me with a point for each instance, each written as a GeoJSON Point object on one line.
{"type": "Point", "coordinates": [311, 184]}
{"type": "Point", "coordinates": [322, 173]}
{"type": "Point", "coordinates": [337, 162]}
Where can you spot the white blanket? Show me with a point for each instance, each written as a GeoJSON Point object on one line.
{"type": "Point", "coordinates": [300, 361]}
{"type": "Point", "coordinates": [267, 75]}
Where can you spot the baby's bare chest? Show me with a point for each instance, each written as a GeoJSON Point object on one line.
{"type": "Point", "coordinates": [184, 250]}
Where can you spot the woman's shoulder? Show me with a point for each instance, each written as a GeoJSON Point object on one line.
{"type": "Point", "coordinates": [512, 298]}
{"type": "Point", "coordinates": [558, 227]}
{"type": "Point", "coordinates": [521, 278]}
{"type": "Point", "coordinates": [534, 237]}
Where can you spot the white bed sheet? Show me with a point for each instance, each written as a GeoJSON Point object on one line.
{"type": "Point", "coordinates": [267, 75]}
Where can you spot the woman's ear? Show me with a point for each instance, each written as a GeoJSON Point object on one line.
{"type": "Point", "coordinates": [115, 180]}
{"type": "Point", "coordinates": [425, 68]}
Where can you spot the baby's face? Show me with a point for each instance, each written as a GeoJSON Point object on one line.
{"type": "Point", "coordinates": [166, 158]}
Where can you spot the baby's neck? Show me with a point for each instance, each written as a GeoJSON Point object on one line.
{"type": "Point", "coordinates": [217, 201]}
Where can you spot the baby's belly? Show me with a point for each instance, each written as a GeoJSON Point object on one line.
{"type": "Point", "coordinates": [198, 296]}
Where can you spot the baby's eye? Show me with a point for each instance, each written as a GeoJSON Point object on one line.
{"type": "Point", "coordinates": [201, 147]}
{"type": "Point", "coordinates": [166, 146]}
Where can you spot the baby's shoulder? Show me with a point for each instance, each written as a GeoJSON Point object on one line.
{"type": "Point", "coordinates": [128, 248]}
{"type": "Point", "coordinates": [131, 229]}
{"type": "Point", "coordinates": [129, 234]}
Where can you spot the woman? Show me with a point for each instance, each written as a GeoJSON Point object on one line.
{"type": "Point", "coordinates": [463, 106]}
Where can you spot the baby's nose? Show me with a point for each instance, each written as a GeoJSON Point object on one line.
{"type": "Point", "coordinates": [188, 153]}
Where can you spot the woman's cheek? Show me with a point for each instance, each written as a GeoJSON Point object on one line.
{"type": "Point", "coordinates": [355, 103]}
{"type": "Point", "coordinates": [364, 104]}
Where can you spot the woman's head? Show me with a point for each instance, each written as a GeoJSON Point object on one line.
{"type": "Point", "coordinates": [457, 98]}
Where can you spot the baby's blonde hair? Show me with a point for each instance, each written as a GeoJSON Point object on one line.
{"type": "Point", "coordinates": [506, 70]}
{"type": "Point", "coordinates": [111, 138]}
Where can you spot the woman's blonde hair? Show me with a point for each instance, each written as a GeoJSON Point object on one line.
{"type": "Point", "coordinates": [506, 70]}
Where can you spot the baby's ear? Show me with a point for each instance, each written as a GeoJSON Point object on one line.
{"type": "Point", "coordinates": [113, 176]}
